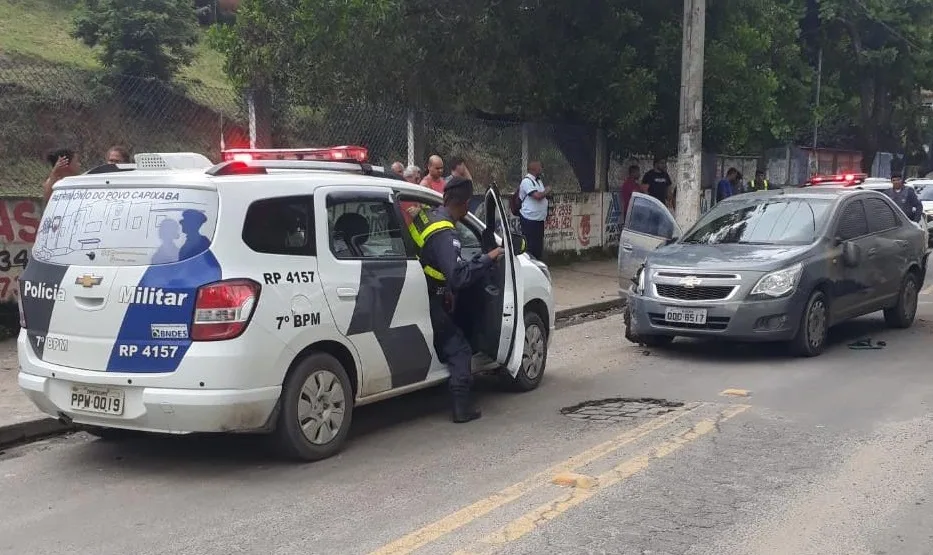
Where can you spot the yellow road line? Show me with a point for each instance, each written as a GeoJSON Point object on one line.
{"type": "Point", "coordinates": [556, 507]}
{"type": "Point", "coordinates": [468, 514]}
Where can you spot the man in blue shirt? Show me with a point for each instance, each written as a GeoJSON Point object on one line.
{"type": "Point", "coordinates": [905, 197]}
{"type": "Point", "coordinates": [726, 186]}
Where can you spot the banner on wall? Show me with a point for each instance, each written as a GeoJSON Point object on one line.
{"type": "Point", "coordinates": [19, 221]}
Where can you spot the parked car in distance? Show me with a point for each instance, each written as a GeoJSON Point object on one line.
{"type": "Point", "coordinates": [780, 265]}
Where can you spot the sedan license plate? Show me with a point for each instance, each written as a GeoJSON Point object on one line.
{"type": "Point", "coordinates": [685, 315]}
{"type": "Point", "coordinates": [103, 400]}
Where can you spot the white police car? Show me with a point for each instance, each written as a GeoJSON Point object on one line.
{"type": "Point", "coordinates": [262, 295]}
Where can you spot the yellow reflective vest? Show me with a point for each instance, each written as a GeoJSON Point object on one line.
{"type": "Point", "coordinates": [423, 225]}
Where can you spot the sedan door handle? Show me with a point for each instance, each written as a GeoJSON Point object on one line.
{"type": "Point", "coordinates": [626, 246]}
{"type": "Point", "coordinates": [902, 243]}
{"type": "Point", "coordinates": [346, 292]}
{"type": "Point", "coordinates": [871, 252]}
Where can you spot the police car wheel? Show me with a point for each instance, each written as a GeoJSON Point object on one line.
{"type": "Point", "coordinates": [316, 409]}
{"type": "Point", "coordinates": [534, 355]}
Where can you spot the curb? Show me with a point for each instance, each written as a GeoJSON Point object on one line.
{"type": "Point", "coordinates": [31, 430]}
{"type": "Point", "coordinates": [592, 307]}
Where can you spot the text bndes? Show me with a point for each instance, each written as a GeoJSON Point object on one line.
{"type": "Point", "coordinates": [43, 291]}
{"type": "Point", "coordinates": [151, 295]}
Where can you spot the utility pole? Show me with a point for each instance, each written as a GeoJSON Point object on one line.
{"type": "Point", "coordinates": [690, 147]}
{"type": "Point", "coordinates": [816, 110]}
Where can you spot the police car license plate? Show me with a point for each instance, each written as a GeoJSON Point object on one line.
{"type": "Point", "coordinates": [103, 400]}
{"type": "Point", "coordinates": [685, 315]}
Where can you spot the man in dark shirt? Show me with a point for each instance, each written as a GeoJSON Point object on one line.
{"type": "Point", "coordinates": [658, 180]}
{"type": "Point", "coordinates": [905, 197]}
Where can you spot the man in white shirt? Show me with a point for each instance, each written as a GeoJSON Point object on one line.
{"type": "Point", "coordinates": [533, 195]}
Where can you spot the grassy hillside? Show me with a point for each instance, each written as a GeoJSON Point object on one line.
{"type": "Point", "coordinates": [50, 98]}
{"type": "Point", "coordinates": [40, 29]}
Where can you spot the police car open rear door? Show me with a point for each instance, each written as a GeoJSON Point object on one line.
{"type": "Point", "coordinates": [504, 297]}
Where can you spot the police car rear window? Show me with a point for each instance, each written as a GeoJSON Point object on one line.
{"type": "Point", "coordinates": [126, 227]}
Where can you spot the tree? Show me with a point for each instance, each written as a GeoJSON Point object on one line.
{"type": "Point", "coordinates": [140, 38]}
{"type": "Point", "coordinates": [610, 64]}
{"type": "Point", "coordinates": [883, 53]}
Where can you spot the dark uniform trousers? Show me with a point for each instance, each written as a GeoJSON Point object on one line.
{"type": "Point", "coordinates": [439, 251]}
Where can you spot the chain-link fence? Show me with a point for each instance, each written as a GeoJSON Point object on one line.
{"type": "Point", "coordinates": [44, 107]}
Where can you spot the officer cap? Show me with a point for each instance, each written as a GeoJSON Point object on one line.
{"type": "Point", "coordinates": [456, 182]}
{"type": "Point", "coordinates": [458, 189]}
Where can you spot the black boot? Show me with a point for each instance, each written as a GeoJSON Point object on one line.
{"type": "Point", "coordinates": [464, 409]}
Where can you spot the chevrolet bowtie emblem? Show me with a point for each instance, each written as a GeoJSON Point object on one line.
{"type": "Point", "coordinates": [690, 282]}
{"type": "Point", "coordinates": [88, 280]}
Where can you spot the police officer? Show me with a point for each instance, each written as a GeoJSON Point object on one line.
{"type": "Point", "coordinates": [447, 273]}
{"type": "Point", "coordinates": [758, 184]}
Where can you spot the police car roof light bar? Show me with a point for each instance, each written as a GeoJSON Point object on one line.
{"type": "Point", "coordinates": [235, 167]}
{"type": "Point", "coordinates": [334, 154]}
{"type": "Point", "coordinates": [242, 167]}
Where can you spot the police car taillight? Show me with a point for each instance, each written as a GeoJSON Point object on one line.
{"type": "Point", "coordinates": [332, 154]}
{"type": "Point", "coordinates": [224, 309]}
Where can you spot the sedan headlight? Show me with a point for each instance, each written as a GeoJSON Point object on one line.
{"type": "Point", "coordinates": [640, 281]}
{"type": "Point", "coordinates": [779, 283]}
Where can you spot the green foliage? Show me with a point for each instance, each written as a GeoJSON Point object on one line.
{"type": "Point", "coordinates": [612, 64]}
{"type": "Point", "coordinates": [140, 38]}
{"type": "Point", "coordinates": [882, 53]}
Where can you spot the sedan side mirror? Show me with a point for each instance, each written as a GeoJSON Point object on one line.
{"type": "Point", "coordinates": [850, 254]}
{"type": "Point", "coordinates": [519, 243]}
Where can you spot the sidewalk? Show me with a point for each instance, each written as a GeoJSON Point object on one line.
{"type": "Point", "coordinates": [577, 288]}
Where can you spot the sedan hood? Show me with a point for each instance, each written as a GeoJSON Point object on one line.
{"type": "Point", "coordinates": [727, 256]}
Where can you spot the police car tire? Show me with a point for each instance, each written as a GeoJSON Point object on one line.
{"type": "Point", "coordinates": [521, 382]}
{"type": "Point", "coordinates": [289, 439]}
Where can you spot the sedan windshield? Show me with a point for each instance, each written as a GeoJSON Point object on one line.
{"type": "Point", "coordinates": [769, 221]}
{"type": "Point", "coordinates": [926, 193]}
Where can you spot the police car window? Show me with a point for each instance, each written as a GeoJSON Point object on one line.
{"type": "Point", "coordinates": [852, 223]}
{"type": "Point", "coordinates": [280, 226]}
{"type": "Point", "coordinates": [881, 216]}
{"type": "Point", "coordinates": [364, 229]}
{"type": "Point", "coordinates": [649, 219]}
{"type": "Point", "coordinates": [126, 227]}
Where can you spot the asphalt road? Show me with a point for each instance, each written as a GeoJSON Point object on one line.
{"type": "Point", "coordinates": [822, 456]}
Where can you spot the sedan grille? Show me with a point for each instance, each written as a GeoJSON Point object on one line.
{"type": "Point", "coordinates": [700, 293]}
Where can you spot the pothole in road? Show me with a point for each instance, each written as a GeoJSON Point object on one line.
{"type": "Point", "coordinates": [618, 409]}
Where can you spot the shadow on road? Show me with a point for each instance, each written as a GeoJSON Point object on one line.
{"type": "Point", "coordinates": [717, 350]}
{"type": "Point", "coordinates": [213, 454]}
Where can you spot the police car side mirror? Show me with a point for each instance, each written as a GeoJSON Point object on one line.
{"type": "Point", "coordinates": [519, 243]}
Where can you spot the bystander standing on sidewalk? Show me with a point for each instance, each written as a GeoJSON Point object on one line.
{"type": "Point", "coordinates": [64, 162]}
{"type": "Point", "coordinates": [905, 197]}
{"type": "Point", "coordinates": [533, 196]}
{"type": "Point", "coordinates": [118, 155]}
{"type": "Point", "coordinates": [412, 174]}
{"type": "Point", "coordinates": [726, 186]}
{"type": "Point", "coordinates": [434, 179]}
{"type": "Point", "coordinates": [658, 181]}
{"type": "Point", "coordinates": [458, 168]}
{"type": "Point", "coordinates": [398, 169]}
{"type": "Point", "coordinates": [629, 186]}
